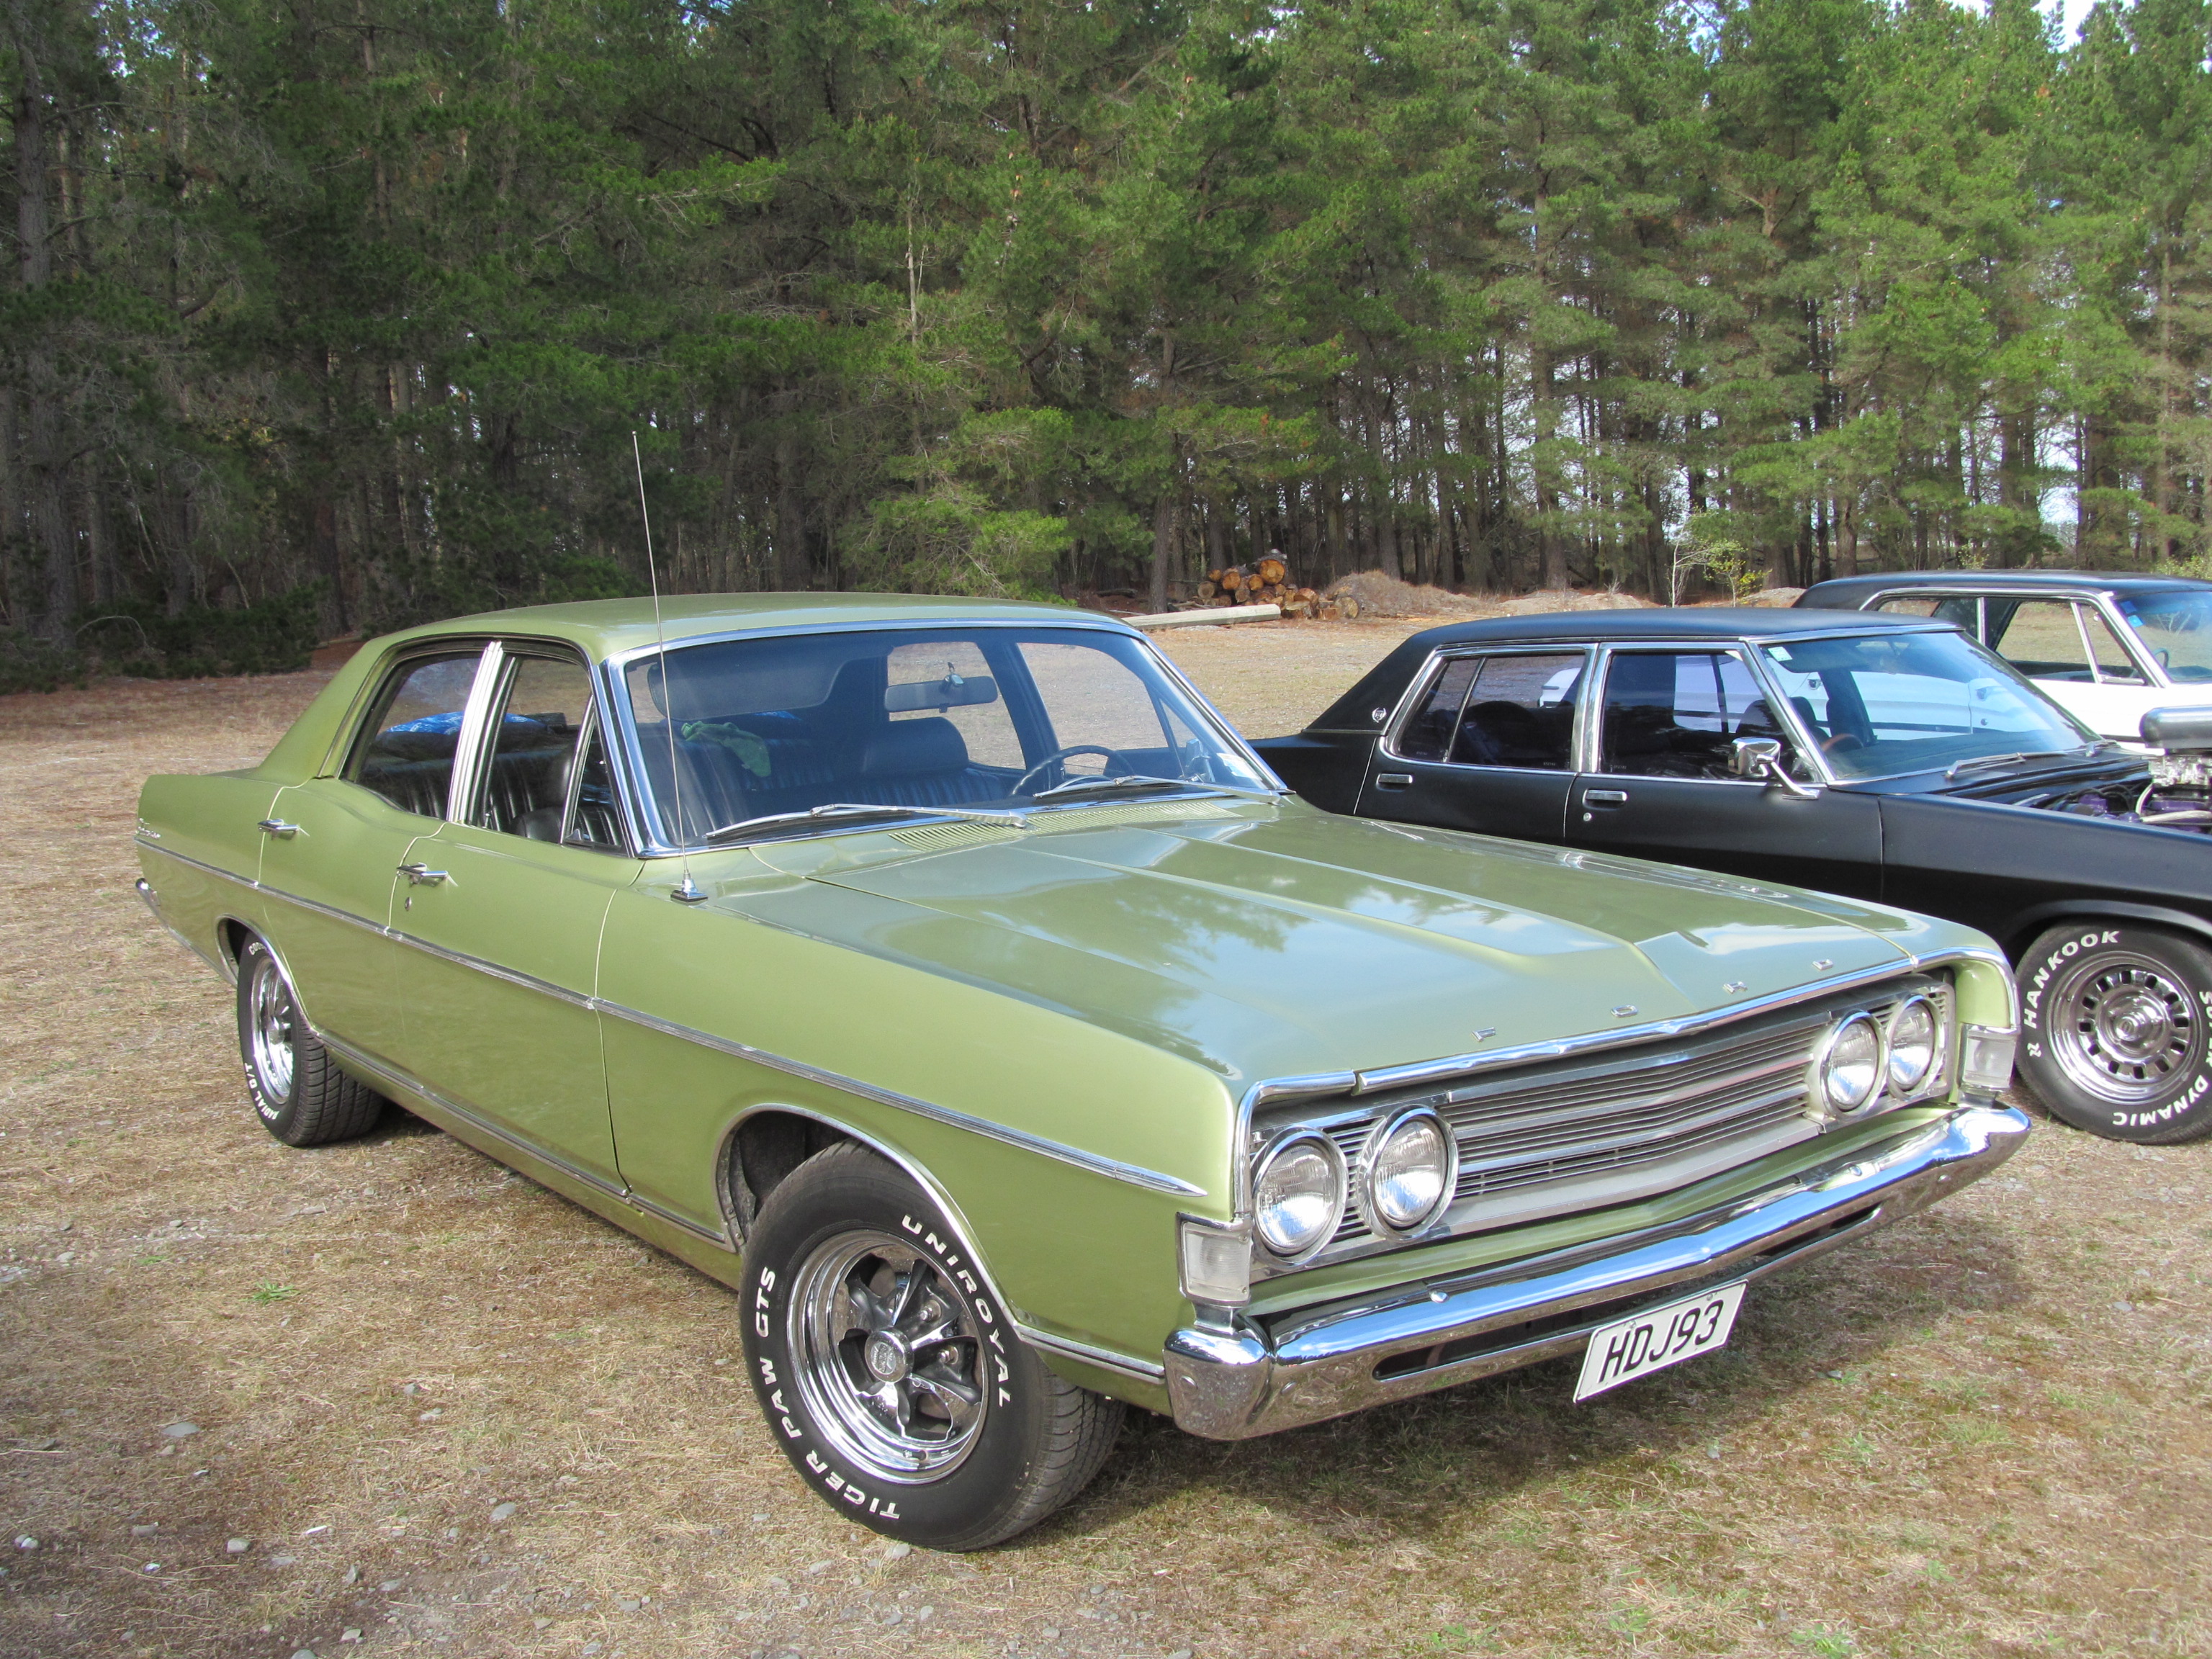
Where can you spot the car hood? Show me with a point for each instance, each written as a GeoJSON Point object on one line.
{"type": "Point", "coordinates": [1274, 941]}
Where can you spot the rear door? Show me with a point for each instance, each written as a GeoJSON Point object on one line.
{"type": "Point", "coordinates": [333, 845]}
{"type": "Point", "coordinates": [1486, 744]}
{"type": "Point", "coordinates": [1662, 788]}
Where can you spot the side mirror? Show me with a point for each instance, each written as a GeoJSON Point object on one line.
{"type": "Point", "coordinates": [1754, 758]}
{"type": "Point", "coordinates": [1759, 759]}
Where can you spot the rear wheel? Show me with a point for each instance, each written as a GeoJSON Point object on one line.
{"type": "Point", "coordinates": [2116, 1032]}
{"type": "Point", "coordinates": [300, 1094]}
{"type": "Point", "coordinates": [892, 1376]}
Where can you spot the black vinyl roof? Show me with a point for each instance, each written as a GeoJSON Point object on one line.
{"type": "Point", "coordinates": [1849, 593]}
{"type": "Point", "coordinates": [1719, 621]}
{"type": "Point", "coordinates": [1382, 684]}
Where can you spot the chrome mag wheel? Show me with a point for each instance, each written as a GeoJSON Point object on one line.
{"type": "Point", "coordinates": [2125, 1029]}
{"type": "Point", "coordinates": [269, 1032]}
{"type": "Point", "coordinates": [888, 1358]}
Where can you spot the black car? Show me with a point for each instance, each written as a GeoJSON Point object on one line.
{"type": "Point", "coordinates": [2106, 647]}
{"type": "Point", "coordinates": [1886, 758]}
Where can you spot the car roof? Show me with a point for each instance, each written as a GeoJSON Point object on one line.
{"type": "Point", "coordinates": [608, 627]}
{"type": "Point", "coordinates": [1720, 621]}
{"type": "Point", "coordinates": [1381, 686]}
{"type": "Point", "coordinates": [1849, 592]}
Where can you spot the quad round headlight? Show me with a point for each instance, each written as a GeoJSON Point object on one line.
{"type": "Point", "coordinates": [1297, 1196]}
{"type": "Point", "coordinates": [1849, 1072]}
{"type": "Point", "coordinates": [1915, 1038]}
{"type": "Point", "coordinates": [1409, 1169]}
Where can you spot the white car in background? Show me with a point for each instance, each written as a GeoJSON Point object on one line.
{"type": "Point", "coordinates": [2107, 647]}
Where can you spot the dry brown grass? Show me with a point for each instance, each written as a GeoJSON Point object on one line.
{"type": "Point", "coordinates": [1983, 1432]}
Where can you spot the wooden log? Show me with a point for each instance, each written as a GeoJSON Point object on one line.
{"type": "Point", "coordinates": [1273, 571]}
{"type": "Point", "coordinates": [1209, 588]}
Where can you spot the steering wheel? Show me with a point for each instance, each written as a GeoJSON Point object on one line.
{"type": "Point", "coordinates": [1839, 742]}
{"type": "Point", "coordinates": [1112, 756]}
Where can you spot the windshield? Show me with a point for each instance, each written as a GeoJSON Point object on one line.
{"type": "Point", "coordinates": [2176, 628]}
{"type": "Point", "coordinates": [1880, 704]}
{"type": "Point", "coordinates": [943, 720]}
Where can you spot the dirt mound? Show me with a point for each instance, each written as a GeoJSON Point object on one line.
{"type": "Point", "coordinates": [1530, 604]}
{"type": "Point", "coordinates": [1781, 598]}
{"type": "Point", "coordinates": [1386, 596]}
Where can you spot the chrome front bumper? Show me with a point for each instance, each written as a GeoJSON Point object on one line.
{"type": "Point", "coordinates": [1246, 1378]}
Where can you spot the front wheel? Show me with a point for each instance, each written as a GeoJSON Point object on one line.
{"type": "Point", "coordinates": [297, 1089]}
{"type": "Point", "coordinates": [2116, 1032]}
{"type": "Point", "coordinates": [890, 1374]}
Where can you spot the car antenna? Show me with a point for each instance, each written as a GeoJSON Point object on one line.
{"type": "Point", "coordinates": [687, 891]}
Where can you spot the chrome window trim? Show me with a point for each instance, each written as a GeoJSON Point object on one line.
{"type": "Point", "coordinates": [468, 749]}
{"type": "Point", "coordinates": [2154, 677]}
{"type": "Point", "coordinates": [1420, 1073]}
{"type": "Point", "coordinates": [653, 841]}
{"type": "Point", "coordinates": [1095, 1163]}
{"type": "Point", "coordinates": [1408, 700]}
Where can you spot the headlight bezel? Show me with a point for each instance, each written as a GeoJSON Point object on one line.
{"type": "Point", "coordinates": [1339, 1198]}
{"type": "Point", "coordinates": [1386, 1129]}
{"type": "Point", "coordinates": [1824, 1100]}
{"type": "Point", "coordinates": [1939, 1034]}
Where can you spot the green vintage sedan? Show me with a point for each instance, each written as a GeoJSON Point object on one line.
{"type": "Point", "coordinates": [949, 980]}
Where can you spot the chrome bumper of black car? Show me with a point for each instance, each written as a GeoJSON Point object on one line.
{"type": "Point", "coordinates": [1245, 1378]}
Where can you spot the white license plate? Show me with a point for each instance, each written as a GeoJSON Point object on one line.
{"type": "Point", "coordinates": [1656, 1337]}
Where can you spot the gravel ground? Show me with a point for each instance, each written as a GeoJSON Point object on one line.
{"type": "Point", "coordinates": [440, 1407]}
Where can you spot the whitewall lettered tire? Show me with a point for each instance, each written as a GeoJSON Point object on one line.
{"type": "Point", "coordinates": [890, 1374]}
{"type": "Point", "coordinates": [2116, 1030]}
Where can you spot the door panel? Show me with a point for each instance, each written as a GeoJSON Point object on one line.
{"type": "Point", "coordinates": [509, 1033]}
{"type": "Point", "coordinates": [328, 876]}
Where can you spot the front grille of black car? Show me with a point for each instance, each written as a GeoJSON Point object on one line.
{"type": "Point", "coordinates": [1568, 1135]}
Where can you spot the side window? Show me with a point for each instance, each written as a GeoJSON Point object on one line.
{"type": "Point", "coordinates": [405, 751]}
{"type": "Point", "coordinates": [595, 819]}
{"type": "Point", "coordinates": [537, 737]}
{"type": "Point", "coordinates": [1961, 611]}
{"type": "Point", "coordinates": [1675, 714]}
{"type": "Point", "coordinates": [1521, 713]}
{"type": "Point", "coordinates": [1428, 735]}
{"type": "Point", "coordinates": [2114, 665]}
{"type": "Point", "coordinates": [2040, 640]}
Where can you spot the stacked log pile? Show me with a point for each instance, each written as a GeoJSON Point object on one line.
{"type": "Point", "coordinates": [1267, 581]}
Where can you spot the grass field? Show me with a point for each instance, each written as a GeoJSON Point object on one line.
{"type": "Point", "coordinates": [446, 1409]}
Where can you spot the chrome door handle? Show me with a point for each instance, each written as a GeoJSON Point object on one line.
{"type": "Point", "coordinates": [1605, 798]}
{"type": "Point", "coordinates": [1394, 779]}
{"type": "Point", "coordinates": [420, 875]}
{"type": "Point", "coordinates": [279, 828]}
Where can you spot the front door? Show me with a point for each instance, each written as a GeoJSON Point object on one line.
{"type": "Point", "coordinates": [1487, 746]}
{"type": "Point", "coordinates": [502, 909]}
{"type": "Point", "coordinates": [2067, 647]}
{"type": "Point", "coordinates": [1663, 788]}
{"type": "Point", "coordinates": [331, 848]}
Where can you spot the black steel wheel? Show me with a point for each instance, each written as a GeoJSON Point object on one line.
{"type": "Point", "coordinates": [892, 1377]}
{"type": "Point", "coordinates": [2116, 1030]}
{"type": "Point", "coordinates": [298, 1092]}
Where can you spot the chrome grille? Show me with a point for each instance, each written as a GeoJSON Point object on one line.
{"type": "Point", "coordinates": [1591, 1129]}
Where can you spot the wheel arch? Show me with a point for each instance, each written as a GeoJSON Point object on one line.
{"type": "Point", "coordinates": [761, 1144]}
{"type": "Point", "coordinates": [2024, 927]}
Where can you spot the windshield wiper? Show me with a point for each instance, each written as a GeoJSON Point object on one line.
{"type": "Point", "coordinates": [838, 812]}
{"type": "Point", "coordinates": [1127, 781]}
{"type": "Point", "coordinates": [1977, 762]}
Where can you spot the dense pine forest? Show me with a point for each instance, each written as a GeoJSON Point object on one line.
{"type": "Point", "coordinates": [329, 315]}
